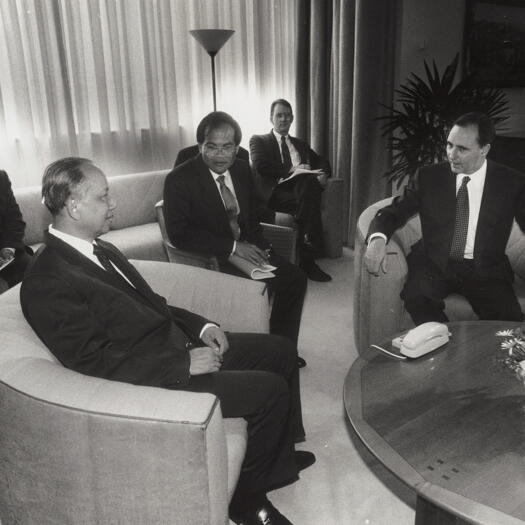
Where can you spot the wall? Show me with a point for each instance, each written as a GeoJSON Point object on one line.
{"type": "Point", "coordinates": [434, 30]}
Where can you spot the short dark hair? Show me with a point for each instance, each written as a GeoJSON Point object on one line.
{"type": "Point", "coordinates": [61, 179]}
{"type": "Point", "coordinates": [486, 131]}
{"type": "Point", "coordinates": [280, 101]}
{"type": "Point", "coordinates": [215, 120]}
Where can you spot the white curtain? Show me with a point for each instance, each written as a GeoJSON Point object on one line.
{"type": "Point", "coordinates": [124, 83]}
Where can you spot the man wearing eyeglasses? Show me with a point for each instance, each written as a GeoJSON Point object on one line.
{"type": "Point", "coordinates": [210, 208]}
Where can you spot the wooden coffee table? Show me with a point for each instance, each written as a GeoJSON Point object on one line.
{"type": "Point", "coordinates": [450, 424]}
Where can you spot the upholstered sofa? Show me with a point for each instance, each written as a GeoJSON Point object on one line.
{"type": "Point", "coordinates": [78, 449]}
{"type": "Point", "coordinates": [134, 229]}
{"type": "Point", "coordinates": [378, 309]}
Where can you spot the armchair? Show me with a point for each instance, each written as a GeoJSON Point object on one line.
{"type": "Point", "coordinates": [378, 310]}
{"type": "Point", "coordinates": [282, 238]}
{"type": "Point", "coordinates": [79, 449]}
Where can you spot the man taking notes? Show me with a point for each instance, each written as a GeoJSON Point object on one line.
{"type": "Point", "coordinates": [210, 208]}
{"type": "Point", "coordinates": [98, 316]}
{"type": "Point", "coordinates": [467, 206]}
{"type": "Point", "coordinates": [294, 176]}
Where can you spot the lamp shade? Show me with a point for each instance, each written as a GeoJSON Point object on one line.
{"type": "Point", "coordinates": [212, 39]}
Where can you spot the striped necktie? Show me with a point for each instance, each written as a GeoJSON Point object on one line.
{"type": "Point", "coordinates": [457, 249]}
{"type": "Point", "coordinates": [232, 208]}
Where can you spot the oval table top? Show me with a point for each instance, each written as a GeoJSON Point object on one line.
{"type": "Point", "coordinates": [450, 424]}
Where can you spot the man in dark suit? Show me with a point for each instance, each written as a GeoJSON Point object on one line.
{"type": "Point", "coordinates": [467, 206]}
{"type": "Point", "coordinates": [98, 316]}
{"type": "Point", "coordinates": [12, 227]}
{"type": "Point", "coordinates": [210, 208]}
{"type": "Point", "coordinates": [292, 177]}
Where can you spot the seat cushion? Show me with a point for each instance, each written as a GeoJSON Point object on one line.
{"type": "Point", "coordinates": [142, 242]}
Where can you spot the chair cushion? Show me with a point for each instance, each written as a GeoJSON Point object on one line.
{"type": "Point", "coordinates": [142, 242]}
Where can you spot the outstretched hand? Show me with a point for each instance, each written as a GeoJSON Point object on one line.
{"type": "Point", "coordinates": [375, 256]}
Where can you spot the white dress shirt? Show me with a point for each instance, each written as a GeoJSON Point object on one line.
{"type": "Point", "coordinates": [294, 154]}
{"type": "Point", "coordinates": [82, 246]}
{"type": "Point", "coordinates": [475, 193]}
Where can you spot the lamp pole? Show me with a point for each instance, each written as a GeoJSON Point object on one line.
{"type": "Point", "coordinates": [212, 56]}
{"type": "Point", "coordinates": [212, 41]}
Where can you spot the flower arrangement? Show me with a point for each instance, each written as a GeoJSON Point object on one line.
{"type": "Point", "coordinates": [513, 351]}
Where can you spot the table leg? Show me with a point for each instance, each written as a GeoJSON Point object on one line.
{"type": "Point", "coordinates": [429, 514]}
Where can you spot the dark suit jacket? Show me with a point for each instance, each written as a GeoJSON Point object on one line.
{"type": "Point", "coordinates": [432, 194]}
{"type": "Point", "coordinates": [192, 151]}
{"type": "Point", "coordinates": [12, 226]}
{"type": "Point", "coordinates": [194, 212]}
{"type": "Point", "coordinates": [99, 325]}
{"type": "Point", "coordinates": [267, 162]}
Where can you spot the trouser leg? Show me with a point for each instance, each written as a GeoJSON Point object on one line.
{"type": "Point", "coordinates": [253, 384]}
{"type": "Point", "coordinates": [288, 288]}
{"type": "Point", "coordinates": [491, 299]}
{"type": "Point", "coordinates": [301, 197]}
{"type": "Point", "coordinates": [425, 290]}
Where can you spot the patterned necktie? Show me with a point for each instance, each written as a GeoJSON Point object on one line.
{"type": "Point", "coordinates": [457, 250]}
{"type": "Point", "coordinates": [100, 254]}
{"type": "Point", "coordinates": [232, 209]}
{"type": "Point", "coordinates": [285, 152]}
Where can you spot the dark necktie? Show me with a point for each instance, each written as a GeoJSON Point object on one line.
{"type": "Point", "coordinates": [285, 152]}
{"type": "Point", "coordinates": [457, 250]}
{"type": "Point", "coordinates": [232, 209]}
{"type": "Point", "coordinates": [101, 255]}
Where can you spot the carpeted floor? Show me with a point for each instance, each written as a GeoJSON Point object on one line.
{"type": "Point", "coordinates": [346, 485]}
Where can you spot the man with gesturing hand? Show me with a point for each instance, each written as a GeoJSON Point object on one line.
{"type": "Point", "coordinates": [99, 317]}
{"type": "Point", "coordinates": [467, 207]}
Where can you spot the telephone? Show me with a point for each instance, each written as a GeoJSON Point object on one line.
{"type": "Point", "coordinates": [422, 339]}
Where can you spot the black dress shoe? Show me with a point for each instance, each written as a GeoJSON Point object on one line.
{"type": "Point", "coordinates": [264, 514]}
{"type": "Point", "coordinates": [304, 459]}
{"type": "Point", "coordinates": [301, 363]}
{"type": "Point", "coordinates": [314, 273]}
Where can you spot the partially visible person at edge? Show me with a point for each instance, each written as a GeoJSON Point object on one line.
{"type": "Point", "coordinates": [14, 254]}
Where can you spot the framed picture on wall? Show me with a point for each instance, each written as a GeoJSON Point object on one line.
{"type": "Point", "coordinates": [495, 42]}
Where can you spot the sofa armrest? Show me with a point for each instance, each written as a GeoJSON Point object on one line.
{"type": "Point", "coordinates": [236, 303]}
{"type": "Point", "coordinates": [378, 309]}
{"type": "Point", "coordinates": [332, 213]}
{"type": "Point", "coordinates": [108, 451]}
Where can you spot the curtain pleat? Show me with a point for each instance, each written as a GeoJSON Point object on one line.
{"type": "Point", "coordinates": [123, 82]}
{"type": "Point", "coordinates": [345, 68]}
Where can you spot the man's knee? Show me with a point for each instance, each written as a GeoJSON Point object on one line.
{"type": "Point", "coordinates": [283, 347]}
{"type": "Point", "coordinates": [290, 277]}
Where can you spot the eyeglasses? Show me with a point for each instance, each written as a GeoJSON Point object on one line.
{"type": "Point", "coordinates": [213, 151]}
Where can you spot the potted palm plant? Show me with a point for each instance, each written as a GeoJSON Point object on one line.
{"type": "Point", "coordinates": [417, 127]}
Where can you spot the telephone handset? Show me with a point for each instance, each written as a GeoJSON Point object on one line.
{"type": "Point", "coordinates": [422, 339]}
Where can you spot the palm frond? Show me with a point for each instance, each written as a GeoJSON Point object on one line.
{"type": "Point", "coordinates": [425, 109]}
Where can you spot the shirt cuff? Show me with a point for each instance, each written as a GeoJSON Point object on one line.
{"type": "Point", "coordinates": [205, 327]}
{"type": "Point", "coordinates": [234, 246]}
{"type": "Point", "coordinates": [377, 234]}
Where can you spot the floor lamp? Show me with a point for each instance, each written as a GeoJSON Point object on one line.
{"type": "Point", "coordinates": [212, 40]}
